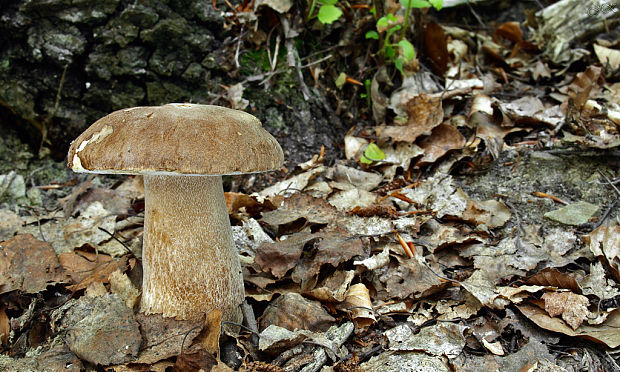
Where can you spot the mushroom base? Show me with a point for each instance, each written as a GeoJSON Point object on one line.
{"type": "Point", "coordinates": [190, 263]}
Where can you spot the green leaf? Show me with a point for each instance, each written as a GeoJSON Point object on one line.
{"type": "Point", "coordinates": [382, 22]}
{"type": "Point", "coordinates": [389, 52]}
{"type": "Point", "coordinates": [328, 2]}
{"type": "Point", "coordinates": [372, 153]}
{"type": "Point", "coordinates": [415, 3]}
{"type": "Point", "coordinates": [342, 78]}
{"type": "Point", "coordinates": [437, 4]}
{"type": "Point", "coordinates": [391, 31]}
{"type": "Point", "coordinates": [407, 50]}
{"type": "Point", "coordinates": [329, 13]}
{"type": "Point", "coordinates": [398, 63]}
{"type": "Point", "coordinates": [372, 35]}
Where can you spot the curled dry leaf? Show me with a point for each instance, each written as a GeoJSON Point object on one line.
{"type": "Point", "coordinates": [122, 286]}
{"type": "Point", "coordinates": [606, 333]}
{"type": "Point", "coordinates": [443, 138]}
{"type": "Point", "coordinates": [572, 307]}
{"type": "Point", "coordinates": [334, 288]}
{"type": "Point", "coordinates": [604, 242]}
{"type": "Point", "coordinates": [556, 278]}
{"type": "Point", "coordinates": [85, 268]}
{"type": "Point", "coordinates": [358, 302]}
{"type": "Point", "coordinates": [425, 113]}
{"type": "Point", "coordinates": [510, 31]}
{"type": "Point", "coordinates": [581, 88]}
{"type": "Point", "coordinates": [436, 48]}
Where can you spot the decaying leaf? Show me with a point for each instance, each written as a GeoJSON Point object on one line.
{"type": "Point", "coordinates": [28, 265]}
{"type": "Point", "coordinates": [275, 339]}
{"type": "Point", "coordinates": [556, 278]}
{"type": "Point", "coordinates": [572, 307]}
{"type": "Point", "coordinates": [279, 257]}
{"type": "Point", "coordinates": [573, 214]}
{"type": "Point", "coordinates": [442, 139]}
{"type": "Point", "coordinates": [583, 85]}
{"type": "Point", "coordinates": [331, 248]}
{"type": "Point", "coordinates": [491, 213]}
{"type": "Point", "coordinates": [85, 268]}
{"type": "Point", "coordinates": [597, 284]}
{"type": "Point", "coordinates": [163, 337]}
{"type": "Point", "coordinates": [481, 287]}
{"type": "Point", "coordinates": [292, 311]}
{"type": "Point", "coordinates": [425, 113]}
{"type": "Point", "coordinates": [334, 287]}
{"type": "Point", "coordinates": [604, 242]}
{"type": "Point", "coordinates": [442, 339]}
{"type": "Point", "coordinates": [412, 278]}
{"type": "Point", "coordinates": [606, 333]}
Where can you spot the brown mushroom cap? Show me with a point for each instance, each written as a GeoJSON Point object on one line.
{"type": "Point", "coordinates": [176, 139]}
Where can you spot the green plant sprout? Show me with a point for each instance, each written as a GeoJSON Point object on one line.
{"type": "Point", "coordinates": [389, 24]}
{"type": "Point", "coordinates": [371, 154]}
{"type": "Point", "coordinates": [328, 11]}
{"type": "Point", "coordinates": [366, 95]}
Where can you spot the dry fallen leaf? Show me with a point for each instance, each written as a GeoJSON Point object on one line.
{"type": "Point", "coordinates": [28, 264]}
{"type": "Point", "coordinates": [606, 333]}
{"type": "Point", "coordinates": [572, 307]}
{"type": "Point", "coordinates": [86, 267]}
{"type": "Point", "coordinates": [292, 311]}
{"type": "Point", "coordinates": [163, 337]}
{"type": "Point", "coordinates": [604, 242]}
{"type": "Point", "coordinates": [442, 139]}
{"type": "Point", "coordinates": [358, 302]}
{"type": "Point", "coordinates": [425, 113]}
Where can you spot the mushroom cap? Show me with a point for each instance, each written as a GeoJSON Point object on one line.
{"type": "Point", "coordinates": [177, 138]}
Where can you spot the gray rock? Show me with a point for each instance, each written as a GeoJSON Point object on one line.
{"type": "Point", "coordinates": [117, 32]}
{"type": "Point", "coordinates": [104, 330]}
{"type": "Point", "coordinates": [165, 33]}
{"type": "Point", "coordinates": [74, 11]}
{"type": "Point", "coordinates": [60, 45]}
{"type": "Point", "coordinates": [106, 63]}
{"type": "Point", "coordinates": [126, 94]}
{"type": "Point", "coordinates": [139, 16]}
{"type": "Point", "coordinates": [167, 62]}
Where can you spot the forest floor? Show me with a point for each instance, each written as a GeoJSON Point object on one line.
{"type": "Point", "coordinates": [470, 222]}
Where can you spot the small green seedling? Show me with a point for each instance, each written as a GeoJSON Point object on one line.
{"type": "Point", "coordinates": [366, 94]}
{"type": "Point", "coordinates": [389, 24]}
{"type": "Point", "coordinates": [371, 154]}
{"type": "Point", "coordinates": [328, 11]}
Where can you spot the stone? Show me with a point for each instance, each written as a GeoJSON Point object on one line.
{"type": "Point", "coordinates": [61, 44]}
{"type": "Point", "coordinates": [106, 331]}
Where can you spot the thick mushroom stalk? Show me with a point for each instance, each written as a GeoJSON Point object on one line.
{"type": "Point", "coordinates": [190, 263]}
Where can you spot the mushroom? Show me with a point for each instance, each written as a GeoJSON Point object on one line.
{"type": "Point", "coordinates": [190, 264]}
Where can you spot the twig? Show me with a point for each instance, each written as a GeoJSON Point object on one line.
{"type": "Point", "coordinates": [292, 56]}
{"type": "Point", "coordinates": [239, 39]}
{"type": "Point", "coordinates": [250, 320]}
{"type": "Point", "coordinates": [606, 214]}
{"type": "Point", "coordinates": [129, 251]}
{"type": "Point", "coordinates": [609, 181]}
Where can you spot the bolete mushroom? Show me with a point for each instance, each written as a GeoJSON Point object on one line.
{"type": "Point", "coordinates": [190, 264]}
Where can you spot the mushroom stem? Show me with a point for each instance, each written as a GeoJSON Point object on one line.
{"type": "Point", "coordinates": [190, 263]}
